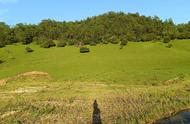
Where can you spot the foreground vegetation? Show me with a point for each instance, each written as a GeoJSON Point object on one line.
{"type": "Point", "coordinates": [39, 99]}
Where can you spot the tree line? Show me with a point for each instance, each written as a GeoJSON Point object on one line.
{"type": "Point", "coordinates": [110, 27]}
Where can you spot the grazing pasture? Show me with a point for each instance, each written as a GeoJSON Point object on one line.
{"type": "Point", "coordinates": [137, 63]}
{"type": "Point", "coordinates": [141, 83]}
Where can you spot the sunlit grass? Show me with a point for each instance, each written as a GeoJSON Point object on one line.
{"type": "Point", "coordinates": [137, 63]}
{"type": "Point", "coordinates": [139, 84]}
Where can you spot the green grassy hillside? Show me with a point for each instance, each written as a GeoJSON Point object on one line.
{"type": "Point", "coordinates": [137, 63]}
{"type": "Point", "coordinates": [138, 84]}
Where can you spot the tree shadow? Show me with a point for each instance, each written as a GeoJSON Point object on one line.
{"type": "Point", "coordinates": [96, 116]}
{"type": "Point", "coordinates": [1, 61]}
{"type": "Point", "coordinates": [182, 117]}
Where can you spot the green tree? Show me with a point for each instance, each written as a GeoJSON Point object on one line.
{"type": "Point", "coordinates": [4, 30]}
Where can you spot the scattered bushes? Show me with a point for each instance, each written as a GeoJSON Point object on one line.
{"type": "Point", "coordinates": [105, 42]}
{"type": "Point", "coordinates": [166, 40]}
{"type": "Point", "coordinates": [86, 42]}
{"type": "Point", "coordinates": [48, 44]}
{"type": "Point", "coordinates": [84, 50]}
{"type": "Point", "coordinates": [123, 43]}
{"type": "Point", "coordinates": [38, 40]}
{"type": "Point", "coordinates": [71, 42]}
{"type": "Point", "coordinates": [1, 61]}
{"type": "Point", "coordinates": [114, 40]}
{"type": "Point", "coordinates": [92, 44]}
{"type": "Point", "coordinates": [2, 45]}
{"type": "Point", "coordinates": [29, 50]}
{"type": "Point", "coordinates": [169, 45]}
{"type": "Point", "coordinates": [124, 40]}
{"type": "Point", "coordinates": [61, 44]}
{"type": "Point", "coordinates": [79, 44]}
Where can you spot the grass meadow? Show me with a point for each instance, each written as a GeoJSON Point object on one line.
{"type": "Point", "coordinates": [137, 63]}
{"type": "Point", "coordinates": [140, 83]}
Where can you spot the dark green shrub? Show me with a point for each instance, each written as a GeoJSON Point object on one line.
{"type": "Point", "coordinates": [79, 44]}
{"type": "Point", "coordinates": [86, 42]}
{"type": "Point", "coordinates": [166, 40]}
{"type": "Point", "coordinates": [2, 45]}
{"type": "Point", "coordinates": [71, 42]}
{"type": "Point", "coordinates": [114, 40]}
{"type": "Point", "coordinates": [29, 50]}
{"type": "Point", "coordinates": [105, 42]}
{"type": "Point", "coordinates": [92, 44]}
{"type": "Point", "coordinates": [124, 40]}
{"type": "Point", "coordinates": [123, 43]}
{"type": "Point", "coordinates": [38, 40]}
{"type": "Point", "coordinates": [48, 44]}
{"type": "Point", "coordinates": [1, 61]}
{"type": "Point", "coordinates": [84, 50]}
{"type": "Point", "coordinates": [61, 44]}
{"type": "Point", "coordinates": [169, 45]}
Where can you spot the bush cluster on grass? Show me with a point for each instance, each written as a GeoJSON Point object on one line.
{"type": "Point", "coordinates": [123, 43]}
{"type": "Point", "coordinates": [48, 44]}
{"type": "Point", "coordinates": [105, 42]}
{"type": "Point", "coordinates": [166, 40]}
{"type": "Point", "coordinates": [71, 42]}
{"type": "Point", "coordinates": [114, 40]}
{"type": "Point", "coordinates": [92, 44]}
{"type": "Point", "coordinates": [29, 50]}
{"type": "Point", "coordinates": [84, 50]}
{"type": "Point", "coordinates": [61, 44]}
{"type": "Point", "coordinates": [169, 45]}
{"type": "Point", "coordinates": [1, 61]}
{"type": "Point", "coordinates": [2, 45]}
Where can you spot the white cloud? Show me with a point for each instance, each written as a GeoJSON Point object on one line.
{"type": "Point", "coordinates": [8, 1]}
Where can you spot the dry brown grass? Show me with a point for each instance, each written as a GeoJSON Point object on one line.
{"type": "Point", "coordinates": [72, 102]}
{"type": "Point", "coordinates": [31, 75]}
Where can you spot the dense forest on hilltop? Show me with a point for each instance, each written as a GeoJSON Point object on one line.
{"type": "Point", "coordinates": [110, 27]}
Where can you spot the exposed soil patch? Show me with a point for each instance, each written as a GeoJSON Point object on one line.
{"type": "Point", "coordinates": [8, 114]}
{"type": "Point", "coordinates": [3, 82]}
{"type": "Point", "coordinates": [29, 90]}
{"type": "Point", "coordinates": [29, 75]}
{"type": "Point", "coordinates": [174, 80]}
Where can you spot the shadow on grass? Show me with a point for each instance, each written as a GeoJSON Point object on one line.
{"type": "Point", "coordinates": [1, 61]}
{"type": "Point", "coordinates": [96, 116]}
{"type": "Point", "coordinates": [182, 117]}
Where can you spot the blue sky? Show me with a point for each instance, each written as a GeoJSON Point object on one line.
{"type": "Point", "coordinates": [33, 11]}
